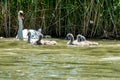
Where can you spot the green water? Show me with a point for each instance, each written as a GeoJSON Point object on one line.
{"type": "Point", "coordinates": [26, 62]}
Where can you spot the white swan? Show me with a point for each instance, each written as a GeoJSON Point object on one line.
{"type": "Point", "coordinates": [22, 34]}
{"type": "Point", "coordinates": [34, 33]}
{"type": "Point", "coordinates": [20, 19]}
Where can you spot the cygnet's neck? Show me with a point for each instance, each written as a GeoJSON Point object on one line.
{"type": "Point", "coordinates": [29, 36]}
{"type": "Point", "coordinates": [39, 40]}
{"type": "Point", "coordinates": [71, 40]}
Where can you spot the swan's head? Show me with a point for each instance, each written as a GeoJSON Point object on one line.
{"type": "Point", "coordinates": [80, 38]}
{"type": "Point", "coordinates": [21, 15]}
{"type": "Point", "coordinates": [70, 36]}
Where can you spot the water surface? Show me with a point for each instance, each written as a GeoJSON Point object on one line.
{"type": "Point", "coordinates": [60, 63]}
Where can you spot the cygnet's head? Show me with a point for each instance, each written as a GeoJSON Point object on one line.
{"type": "Point", "coordinates": [70, 36]}
{"type": "Point", "coordinates": [38, 42]}
{"type": "Point", "coordinates": [29, 36]}
{"type": "Point", "coordinates": [80, 38]}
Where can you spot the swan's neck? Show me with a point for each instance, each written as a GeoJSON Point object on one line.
{"type": "Point", "coordinates": [72, 39]}
{"type": "Point", "coordinates": [20, 22]}
{"type": "Point", "coordinates": [78, 39]}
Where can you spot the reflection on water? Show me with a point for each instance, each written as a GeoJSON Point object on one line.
{"type": "Point", "coordinates": [14, 66]}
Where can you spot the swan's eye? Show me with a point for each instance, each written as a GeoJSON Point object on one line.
{"type": "Point", "coordinates": [21, 14]}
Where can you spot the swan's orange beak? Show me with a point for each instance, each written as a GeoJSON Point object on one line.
{"type": "Point", "coordinates": [22, 17]}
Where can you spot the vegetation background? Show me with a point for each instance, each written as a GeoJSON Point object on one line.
{"type": "Point", "coordinates": [92, 18]}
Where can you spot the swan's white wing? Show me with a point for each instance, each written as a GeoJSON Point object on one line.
{"type": "Point", "coordinates": [34, 34]}
{"type": "Point", "coordinates": [25, 32]}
